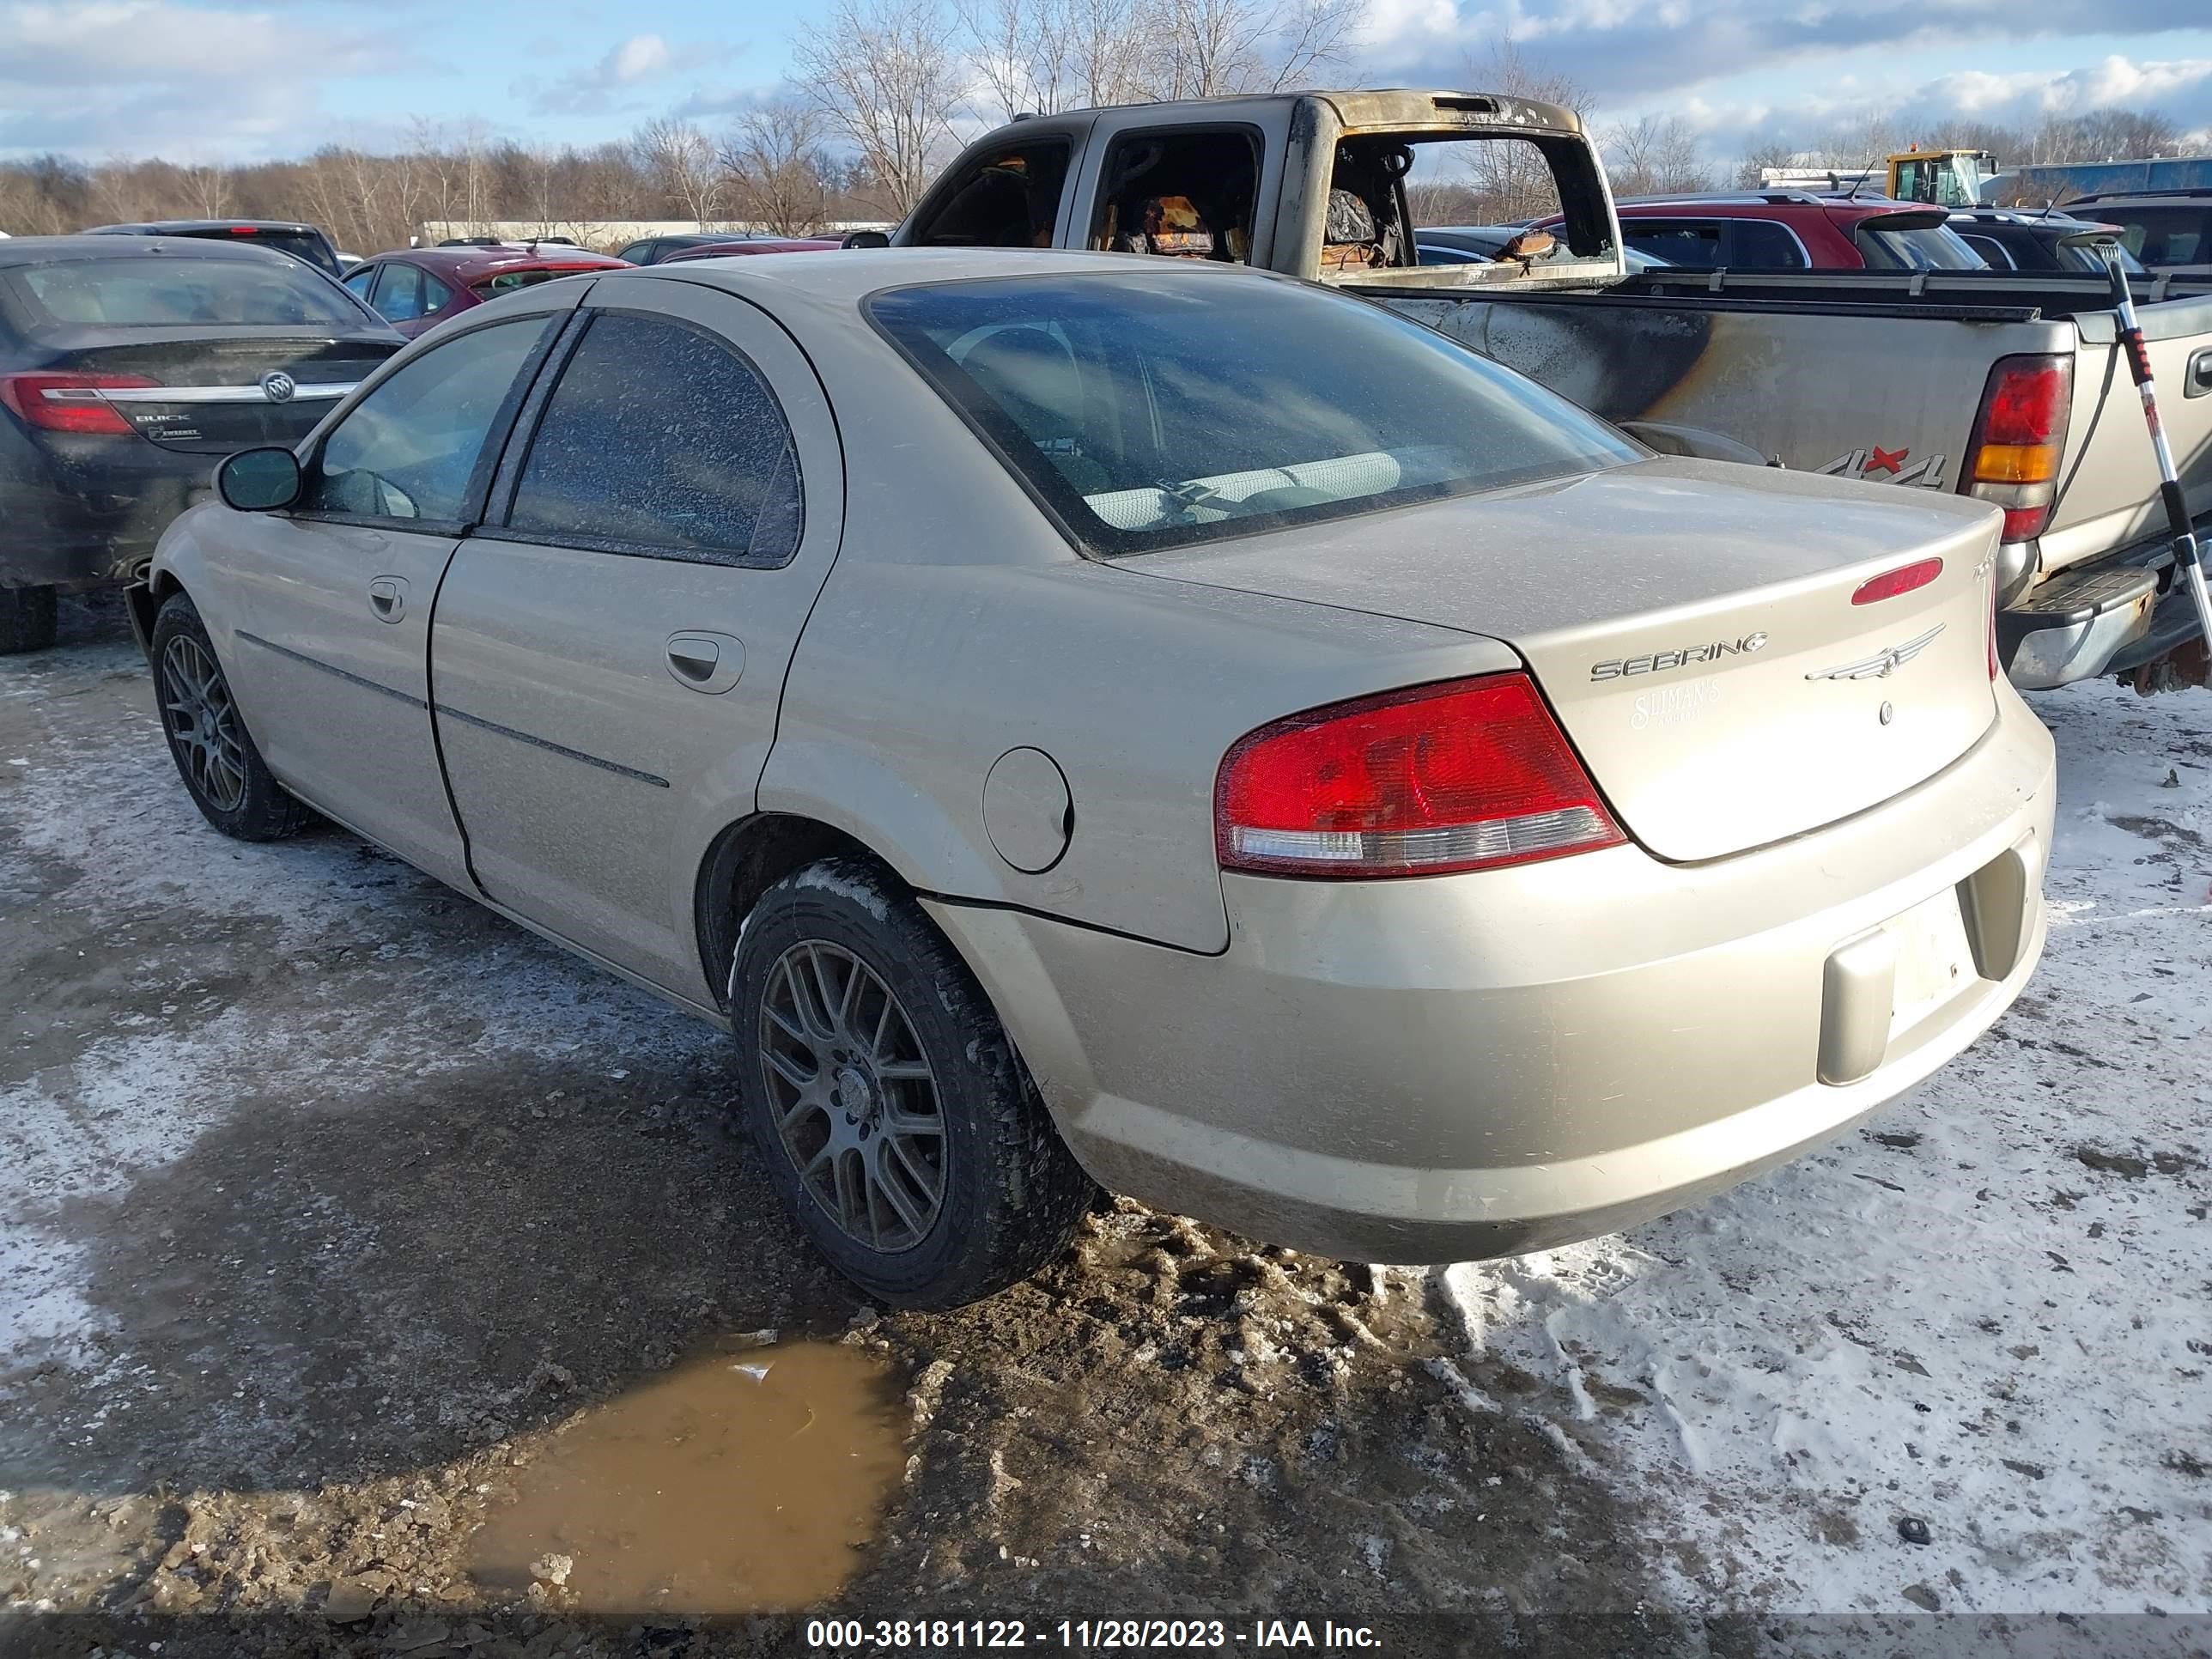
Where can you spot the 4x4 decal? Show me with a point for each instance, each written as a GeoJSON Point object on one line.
{"type": "Point", "coordinates": [1880, 465]}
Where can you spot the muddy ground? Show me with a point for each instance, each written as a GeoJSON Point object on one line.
{"type": "Point", "coordinates": [342, 1192]}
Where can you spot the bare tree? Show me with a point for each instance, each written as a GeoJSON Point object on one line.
{"type": "Point", "coordinates": [1107, 51]}
{"type": "Point", "coordinates": [1307, 34]}
{"type": "Point", "coordinates": [207, 184]}
{"type": "Point", "coordinates": [46, 195]}
{"type": "Point", "coordinates": [1509, 180]}
{"type": "Point", "coordinates": [682, 160]}
{"type": "Point", "coordinates": [2116, 135]}
{"type": "Point", "coordinates": [323, 192]}
{"type": "Point", "coordinates": [1207, 48]}
{"type": "Point", "coordinates": [1751, 172]}
{"type": "Point", "coordinates": [1022, 54]}
{"type": "Point", "coordinates": [1652, 154]}
{"type": "Point", "coordinates": [886, 80]}
{"type": "Point", "coordinates": [777, 167]}
{"type": "Point", "coordinates": [119, 191]}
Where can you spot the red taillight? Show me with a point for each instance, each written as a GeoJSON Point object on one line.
{"type": "Point", "coordinates": [2027, 401]}
{"type": "Point", "coordinates": [1466, 775]}
{"type": "Point", "coordinates": [246, 230]}
{"type": "Point", "coordinates": [69, 403]}
{"type": "Point", "coordinates": [2019, 432]}
{"type": "Point", "coordinates": [1903, 580]}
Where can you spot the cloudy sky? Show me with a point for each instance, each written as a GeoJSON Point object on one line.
{"type": "Point", "coordinates": [226, 80]}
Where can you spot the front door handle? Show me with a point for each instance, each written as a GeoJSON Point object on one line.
{"type": "Point", "coordinates": [710, 663]}
{"type": "Point", "coordinates": [387, 596]}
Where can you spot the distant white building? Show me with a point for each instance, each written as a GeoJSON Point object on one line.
{"type": "Point", "coordinates": [609, 232]}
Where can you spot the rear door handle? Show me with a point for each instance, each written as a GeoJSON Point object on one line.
{"type": "Point", "coordinates": [2197, 382]}
{"type": "Point", "coordinates": [387, 596]}
{"type": "Point", "coordinates": [709, 663]}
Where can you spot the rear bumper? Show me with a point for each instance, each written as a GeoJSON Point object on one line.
{"type": "Point", "coordinates": [1470, 1065]}
{"type": "Point", "coordinates": [2172, 624]}
{"type": "Point", "coordinates": [2043, 650]}
{"type": "Point", "coordinates": [81, 512]}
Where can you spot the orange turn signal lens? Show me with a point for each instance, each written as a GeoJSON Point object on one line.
{"type": "Point", "coordinates": [2016, 464]}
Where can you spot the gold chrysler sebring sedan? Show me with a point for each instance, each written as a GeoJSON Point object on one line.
{"type": "Point", "coordinates": [1078, 720]}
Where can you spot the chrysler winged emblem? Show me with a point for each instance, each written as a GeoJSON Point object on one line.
{"type": "Point", "coordinates": [278, 386]}
{"type": "Point", "coordinates": [1882, 664]}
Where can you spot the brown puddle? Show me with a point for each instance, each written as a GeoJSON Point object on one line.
{"type": "Point", "coordinates": [740, 1482]}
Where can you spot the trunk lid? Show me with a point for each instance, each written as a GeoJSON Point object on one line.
{"type": "Point", "coordinates": [221, 399]}
{"type": "Point", "coordinates": [1691, 623]}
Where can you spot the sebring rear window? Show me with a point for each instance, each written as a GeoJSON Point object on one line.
{"type": "Point", "coordinates": [180, 291]}
{"type": "Point", "coordinates": [1165, 407]}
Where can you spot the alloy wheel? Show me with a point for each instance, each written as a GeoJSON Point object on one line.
{"type": "Point", "coordinates": [853, 1097]}
{"type": "Point", "coordinates": [203, 723]}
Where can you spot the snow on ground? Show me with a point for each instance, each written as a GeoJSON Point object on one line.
{"type": "Point", "coordinates": [138, 1096]}
{"type": "Point", "coordinates": [1990, 1311]}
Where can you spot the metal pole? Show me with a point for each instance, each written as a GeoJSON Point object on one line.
{"type": "Point", "coordinates": [2188, 560]}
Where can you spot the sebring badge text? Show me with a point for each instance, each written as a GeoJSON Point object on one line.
{"type": "Point", "coordinates": [1619, 668]}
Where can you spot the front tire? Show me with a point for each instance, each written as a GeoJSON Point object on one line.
{"type": "Point", "coordinates": [28, 619]}
{"type": "Point", "coordinates": [895, 1117]}
{"type": "Point", "coordinates": [216, 756]}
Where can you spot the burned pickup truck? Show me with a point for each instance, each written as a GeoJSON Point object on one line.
{"type": "Point", "coordinates": [2003, 386]}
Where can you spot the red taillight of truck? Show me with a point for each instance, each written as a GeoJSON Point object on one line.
{"type": "Point", "coordinates": [2019, 433]}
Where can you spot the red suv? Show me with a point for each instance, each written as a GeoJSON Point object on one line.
{"type": "Point", "coordinates": [1793, 230]}
{"type": "Point", "coordinates": [417, 289]}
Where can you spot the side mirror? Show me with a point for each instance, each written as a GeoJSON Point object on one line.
{"type": "Point", "coordinates": [260, 480]}
{"type": "Point", "coordinates": [866, 238]}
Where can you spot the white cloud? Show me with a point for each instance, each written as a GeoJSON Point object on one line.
{"type": "Point", "coordinates": [2117, 80]}
{"type": "Point", "coordinates": [2182, 87]}
{"type": "Point", "coordinates": [640, 58]}
{"type": "Point", "coordinates": [1646, 53]}
{"type": "Point", "coordinates": [158, 77]}
{"type": "Point", "coordinates": [121, 42]}
{"type": "Point", "coordinates": [619, 81]}
{"type": "Point", "coordinates": [1387, 25]}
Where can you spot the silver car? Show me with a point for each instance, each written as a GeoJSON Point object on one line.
{"type": "Point", "coordinates": [1080, 719]}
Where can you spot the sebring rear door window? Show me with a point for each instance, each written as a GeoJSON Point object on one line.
{"type": "Point", "coordinates": [1177, 404]}
{"type": "Point", "coordinates": [662, 441]}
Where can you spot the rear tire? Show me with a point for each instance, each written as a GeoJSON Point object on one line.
{"type": "Point", "coordinates": [223, 771]}
{"type": "Point", "coordinates": [896, 1121]}
{"type": "Point", "coordinates": [28, 619]}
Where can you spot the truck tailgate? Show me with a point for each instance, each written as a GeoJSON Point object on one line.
{"type": "Point", "coordinates": [2108, 479]}
{"type": "Point", "coordinates": [1885, 393]}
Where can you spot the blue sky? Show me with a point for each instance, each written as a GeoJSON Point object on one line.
{"type": "Point", "coordinates": [228, 80]}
